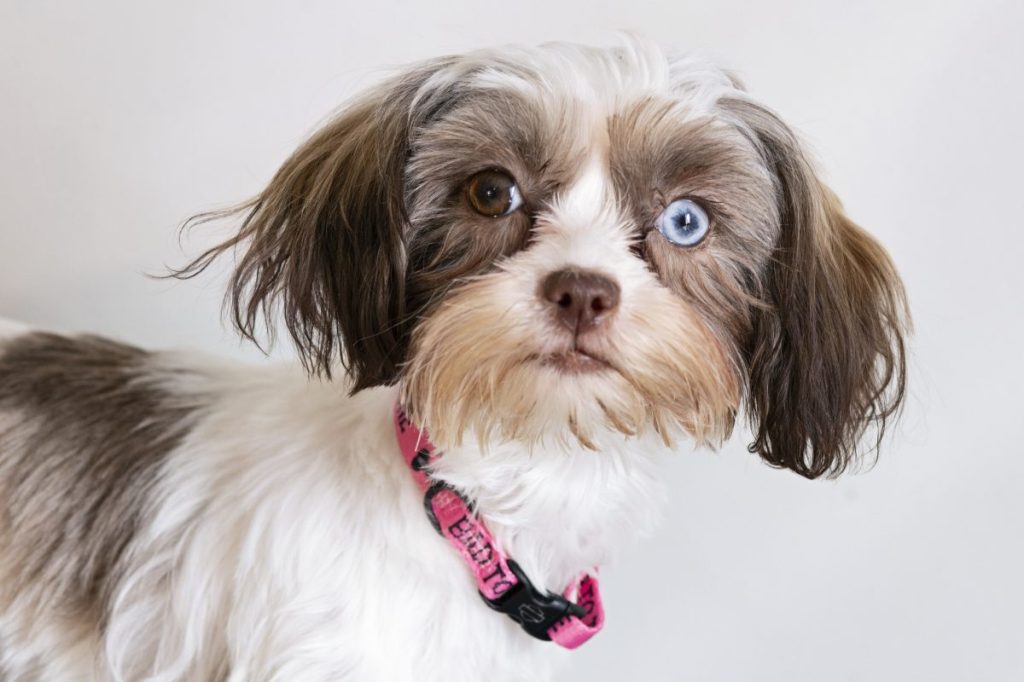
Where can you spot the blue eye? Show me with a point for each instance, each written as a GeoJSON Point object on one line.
{"type": "Point", "coordinates": [684, 223]}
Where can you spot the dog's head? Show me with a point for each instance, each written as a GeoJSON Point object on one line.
{"type": "Point", "coordinates": [567, 240]}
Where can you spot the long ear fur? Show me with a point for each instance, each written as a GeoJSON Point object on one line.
{"type": "Point", "coordinates": [827, 356]}
{"type": "Point", "coordinates": [325, 240]}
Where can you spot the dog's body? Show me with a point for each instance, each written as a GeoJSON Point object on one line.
{"type": "Point", "coordinates": [561, 260]}
{"type": "Point", "coordinates": [279, 536]}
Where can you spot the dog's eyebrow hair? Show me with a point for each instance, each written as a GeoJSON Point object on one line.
{"type": "Point", "coordinates": [85, 426]}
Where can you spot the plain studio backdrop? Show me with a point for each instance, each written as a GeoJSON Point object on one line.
{"type": "Point", "coordinates": [120, 119]}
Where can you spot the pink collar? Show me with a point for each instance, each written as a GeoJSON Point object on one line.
{"type": "Point", "coordinates": [501, 582]}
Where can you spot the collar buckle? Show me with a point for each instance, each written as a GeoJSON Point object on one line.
{"type": "Point", "coordinates": [535, 611]}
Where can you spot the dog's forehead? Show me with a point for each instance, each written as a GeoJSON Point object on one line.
{"type": "Point", "coordinates": [557, 108]}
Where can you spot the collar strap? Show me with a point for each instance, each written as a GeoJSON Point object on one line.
{"type": "Point", "coordinates": [501, 582]}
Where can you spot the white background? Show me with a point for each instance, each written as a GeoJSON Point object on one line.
{"type": "Point", "coordinates": [119, 119]}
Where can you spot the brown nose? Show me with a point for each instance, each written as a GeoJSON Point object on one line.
{"type": "Point", "coordinates": [580, 299]}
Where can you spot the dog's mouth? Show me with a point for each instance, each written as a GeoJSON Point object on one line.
{"type": "Point", "coordinates": [575, 361]}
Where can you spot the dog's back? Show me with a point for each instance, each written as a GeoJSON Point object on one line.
{"type": "Point", "coordinates": [85, 424]}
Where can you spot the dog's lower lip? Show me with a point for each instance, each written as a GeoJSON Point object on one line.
{"type": "Point", "coordinates": [575, 362]}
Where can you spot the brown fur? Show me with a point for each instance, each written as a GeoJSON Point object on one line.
{"type": "Point", "coordinates": [448, 241]}
{"type": "Point", "coordinates": [84, 428]}
{"type": "Point", "coordinates": [660, 154]}
{"type": "Point", "coordinates": [827, 360]}
{"type": "Point", "coordinates": [326, 239]}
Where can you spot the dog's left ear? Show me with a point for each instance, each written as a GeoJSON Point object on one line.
{"type": "Point", "coordinates": [826, 357]}
{"type": "Point", "coordinates": [325, 241]}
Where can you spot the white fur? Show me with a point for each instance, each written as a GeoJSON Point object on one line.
{"type": "Point", "coordinates": [289, 532]}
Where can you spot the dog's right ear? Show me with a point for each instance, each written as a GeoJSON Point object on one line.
{"type": "Point", "coordinates": [325, 240]}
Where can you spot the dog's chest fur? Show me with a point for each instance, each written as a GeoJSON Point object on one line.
{"type": "Point", "coordinates": [267, 527]}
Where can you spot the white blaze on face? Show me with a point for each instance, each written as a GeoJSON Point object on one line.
{"type": "Point", "coordinates": [587, 195]}
{"type": "Point", "coordinates": [583, 225]}
{"type": "Point", "coordinates": [585, 228]}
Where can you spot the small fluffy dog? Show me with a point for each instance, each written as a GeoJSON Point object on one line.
{"type": "Point", "coordinates": [559, 262]}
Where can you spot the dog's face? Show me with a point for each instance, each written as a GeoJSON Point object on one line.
{"type": "Point", "coordinates": [565, 241]}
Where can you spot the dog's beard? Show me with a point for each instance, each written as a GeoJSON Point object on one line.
{"type": "Point", "coordinates": [482, 365]}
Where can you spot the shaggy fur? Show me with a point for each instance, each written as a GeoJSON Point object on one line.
{"type": "Point", "coordinates": [167, 517]}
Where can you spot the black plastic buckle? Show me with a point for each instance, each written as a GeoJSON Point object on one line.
{"type": "Point", "coordinates": [534, 610]}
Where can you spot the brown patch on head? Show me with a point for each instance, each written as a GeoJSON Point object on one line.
{"type": "Point", "coordinates": [84, 428]}
{"type": "Point", "coordinates": [533, 140]}
{"type": "Point", "coordinates": [661, 152]}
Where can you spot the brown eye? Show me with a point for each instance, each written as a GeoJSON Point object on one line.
{"type": "Point", "coordinates": [493, 193]}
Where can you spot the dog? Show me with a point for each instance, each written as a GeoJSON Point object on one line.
{"type": "Point", "coordinates": [517, 280]}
